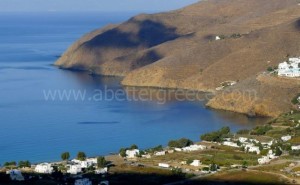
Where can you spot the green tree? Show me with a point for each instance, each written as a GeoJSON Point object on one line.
{"type": "Point", "coordinates": [213, 167]}
{"type": "Point", "coordinates": [65, 156]}
{"type": "Point", "coordinates": [180, 143]}
{"type": "Point", "coordinates": [189, 161]}
{"type": "Point", "coordinates": [23, 164]}
{"type": "Point", "coordinates": [81, 156]}
{"type": "Point", "coordinates": [101, 162]}
{"type": "Point", "coordinates": [122, 152]}
{"type": "Point", "coordinates": [245, 164]}
{"type": "Point", "coordinates": [278, 152]}
{"type": "Point", "coordinates": [134, 146]}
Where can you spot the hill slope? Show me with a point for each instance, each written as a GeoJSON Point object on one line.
{"type": "Point", "coordinates": [177, 50]}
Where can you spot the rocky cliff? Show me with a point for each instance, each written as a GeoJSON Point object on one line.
{"type": "Point", "coordinates": [178, 49]}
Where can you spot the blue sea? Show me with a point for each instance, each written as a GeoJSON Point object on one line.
{"type": "Point", "coordinates": [33, 128]}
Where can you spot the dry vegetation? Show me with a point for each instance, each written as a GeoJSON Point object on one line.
{"type": "Point", "coordinates": [177, 50]}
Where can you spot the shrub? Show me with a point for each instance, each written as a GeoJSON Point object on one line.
{"type": "Point", "coordinates": [205, 168]}
{"type": "Point", "coordinates": [189, 161]}
{"type": "Point", "coordinates": [236, 35]}
{"type": "Point", "coordinates": [23, 164]}
{"type": "Point", "coordinates": [122, 152]}
{"type": "Point", "coordinates": [278, 152]}
{"type": "Point", "coordinates": [270, 69]}
{"type": "Point", "coordinates": [261, 130]}
{"type": "Point", "coordinates": [216, 136]}
{"type": "Point", "coordinates": [264, 152]}
{"type": "Point", "coordinates": [295, 99]}
{"type": "Point", "coordinates": [134, 146]}
{"type": "Point", "coordinates": [101, 162]}
{"type": "Point", "coordinates": [183, 142]}
{"type": "Point", "coordinates": [12, 163]}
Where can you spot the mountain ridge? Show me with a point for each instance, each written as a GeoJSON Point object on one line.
{"type": "Point", "coordinates": [177, 49]}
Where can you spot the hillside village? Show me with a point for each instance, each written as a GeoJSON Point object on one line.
{"type": "Point", "coordinates": [277, 143]}
{"type": "Point", "coordinates": [290, 68]}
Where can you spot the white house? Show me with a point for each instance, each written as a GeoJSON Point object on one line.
{"type": "Point", "coordinates": [231, 144]}
{"type": "Point", "coordinates": [44, 168]}
{"type": "Point", "coordinates": [286, 138]}
{"type": "Point", "coordinates": [132, 153]}
{"type": "Point", "coordinates": [74, 169]}
{"type": "Point", "coordinates": [252, 148]}
{"type": "Point", "coordinates": [92, 160]}
{"type": "Point", "coordinates": [243, 139]}
{"type": "Point", "coordinates": [296, 147]}
{"type": "Point", "coordinates": [178, 149]}
{"type": "Point", "coordinates": [86, 163]}
{"type": "Point", "coordinates": [218, 38]}
{"type": "Point", "coordinates": [290, 68]}
{"type": "Point", "coordinates": [101, 171]}
{"type": "Point", "coordinates": [267, 144]}
{"type": "Point", "coordinates": [83, 182]}
{"type": "Point", "coordinates": [161, 153]}
{"type": "Point", "coordinates": [163, 165]}
{"type": "Point", "coordinates": [193, 148]}
{"type": "Point", "coordinates": [196, 163]}
{"type": "Point", "coordinates": [15, 175]}
{"type": "Point", "coordinates": [264, 160]}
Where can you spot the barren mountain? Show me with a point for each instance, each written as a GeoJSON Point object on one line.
{"type": "Point", "coordinates": [178, 49]}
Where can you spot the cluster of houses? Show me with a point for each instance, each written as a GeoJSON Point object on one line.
{"type": "Point", "coordinates": [133, 153]}
{"type": "Point", "coordinates": [290, 68]}
{"type": "Point", "coordinates": [130, 154]}
{"type": "Point", "coordinates": [74, 166]}
{"type": "Point", "coordinates": [251, 145]}
{"type": "Point", "coordinates": [248, 144]}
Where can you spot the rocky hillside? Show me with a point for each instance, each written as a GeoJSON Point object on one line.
{"type": "Point", "coordinates": [177, 50]}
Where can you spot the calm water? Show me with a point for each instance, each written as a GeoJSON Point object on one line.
{"type": "Point", "coordinates": [38, 130]}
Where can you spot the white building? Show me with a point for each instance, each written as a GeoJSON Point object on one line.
{"type": "Point", "coordinates": [161, 153]}
{"type": "Point", "coordinates": [231, 144]}
{"type": "Point", "coordinates": [92, 160]}
{"type": "Point", "coordinates": [132, 153]}
{"type": "Point", "coordinates": [286, 138]}
{"type": "Point", "coordinates": [290, 68]}
{"type": "Point", "coordinates": [15, 175]}
{"type": "Point", "coordinates": [44, 168]}
{"type": "Point", "coordinates": [296, 147]}
{"type": "Point", "coordinates": [86, 163]}
{"type": "Point", "coordinates": [193, 148]}
{"type": "Point", "coordinates": [74, 169]}
{"type": "Point", "coordinates": [178, 149]}
{"type": "Point", "coordinates": [267, 144]}
{"type": "Point", "coordinates": [196, 163]}
{"type": "Point", "coordinates": [218, 38]}
{"type": "Point", "coordinates": [163, 165]}
{"type": "Point", "coordinates": [83, 182]}
{"type": "Point", "coordinates": [101, 171]}
{"type": "Point", "coordinates": [264, 160]}
{"type": "Point", "coordinates": [243, 139]}
{"type": "Point", "coordinates": [252, 148]}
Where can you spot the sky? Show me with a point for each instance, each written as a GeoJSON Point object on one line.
{"type": "Point", "coordinates": [92, 5]}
